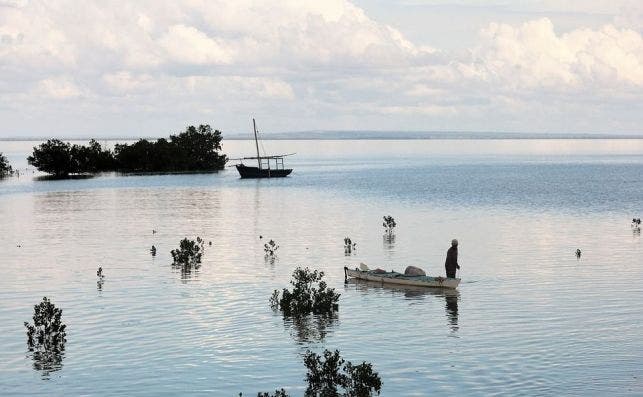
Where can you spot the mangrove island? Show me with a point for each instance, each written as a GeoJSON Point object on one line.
{"type": "Point", "coordinates": [195, 149]}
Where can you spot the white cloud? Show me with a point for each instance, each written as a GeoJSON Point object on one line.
{"type": "Point", "coordinates": [58, 88]}
{"type": "Point", "coordinates": [535, 6]}
{"type": "Point", "coordinates": [328, 60]}
{"type": "Point", "coordinates": [34, 43]}
{"type": "Point", "coordinates": [186, 44]}
{"type": "Point", "coordinates": [13, 3]}
{"type": "Point", "coordinates": [428, 109]}
{"type": "Point", "coordinates": [232, 87]}
{"type": "Point", "coordinates": [124, 82]}
{"type": "Point", "coordinates": [533, 55]}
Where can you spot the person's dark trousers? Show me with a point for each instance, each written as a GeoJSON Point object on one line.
{"type": "Point", "coordinates": [451, 274]}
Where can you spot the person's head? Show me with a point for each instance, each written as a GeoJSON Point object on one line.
{"type": "Point", "coordinates": [454, 243]}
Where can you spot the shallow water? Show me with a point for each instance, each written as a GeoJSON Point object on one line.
{"type": "Point", "coordinates": [528, 318]}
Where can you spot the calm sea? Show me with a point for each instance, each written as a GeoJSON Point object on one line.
{"type": "Point", "coordinates": [528, 319]}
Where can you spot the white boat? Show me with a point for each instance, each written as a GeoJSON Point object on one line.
{"type": "Point", "coordinates": [401, 279]}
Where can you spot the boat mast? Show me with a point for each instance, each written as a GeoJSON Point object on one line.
{"type": "Point", "coordinates": [256, 142]}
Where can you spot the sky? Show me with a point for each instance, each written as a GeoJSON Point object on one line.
{"type": "Point", "coordinates": [101, 68]}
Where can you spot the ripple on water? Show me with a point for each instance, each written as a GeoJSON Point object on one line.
{"type": "Point", "coordinates": [528, 318]}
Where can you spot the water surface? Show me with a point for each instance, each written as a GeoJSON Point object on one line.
{"type": "Point", "coordinates": [528, 318]}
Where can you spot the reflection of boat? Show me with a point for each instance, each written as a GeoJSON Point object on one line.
{"type": "Point", "coordinates": [401, 279]}
{"type": "Point", "coordinates": [451, 296]}
{"type": "Point", "coordinates": [268, 166]}
{"type": "Point", "coordinates": [409, 291]}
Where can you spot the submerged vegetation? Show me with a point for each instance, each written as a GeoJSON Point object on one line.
{"type": "Point", "coordinates": [5, 168]}
{"type": "Point", "coordinates": [188, 256]}
{"type": "Point", "coordinates": [309, 295]}
{"type": "Point", "coordinates": [195, 149]}
{"type": "Point", "coordinates": [278, 393]}
{"type": "Point", "coordinates": [46, 336]}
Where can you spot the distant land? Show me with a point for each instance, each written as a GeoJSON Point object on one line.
{"type": "Point", "coordinates": [372, 135]}
{"type": "Point", "coordinates": [392, 135]}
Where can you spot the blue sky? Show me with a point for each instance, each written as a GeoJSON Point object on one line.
{"type": "Point", "coordinates": [149, 68]}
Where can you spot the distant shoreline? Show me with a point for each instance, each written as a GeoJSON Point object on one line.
{"type": "Point", "coordinates": [367, 135]}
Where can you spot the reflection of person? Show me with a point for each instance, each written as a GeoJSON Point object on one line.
{"type": "Point", "coordinates": [452, 310]}
{"type": "Point", "coordinates": [451, 264]}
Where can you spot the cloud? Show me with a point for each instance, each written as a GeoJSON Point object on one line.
{"type": "Point", "coordinates": [125, 82]}
{"type": "Point", "coordinates": [307, 65]}
{"type": "Point", "coordinates": [58, 88]}
{"type": "Point", "coordinates": [186, 44]}
{"type": "Point", "coordinates": [533, 55]}
{"type": "Point", "coordinates": [13, 3]}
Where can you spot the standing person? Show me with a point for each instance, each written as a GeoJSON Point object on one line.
{"type": "Point", "coordinates": [451, 264]}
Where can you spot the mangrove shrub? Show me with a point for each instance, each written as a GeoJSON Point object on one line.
{"type": "Point", "coordinates": [92, 158]}
{"type": "Point", "coordinates": [195, 149]}
{"type": "Point", "coordinates": [62, 158]}
{"type": "Point", "coordinates": [278, 393]}
{"type": "Point", "coordinates": [47, 330]}
{"type": "Point", "coordinates": [349, 245]}
{"type": "Point", "coordinates": [52, 157]}
{"type": "Point", "coordinates": [330, 375]}
{"type": "Point", "coordinates": [188, 255]}
{"type": "Point", "coordinates": [5, 168]}
{"type": "Point", "coordinates": [270, 248]}
{"type": "Point", "coordinates": [389, 224]}
{"type": "Point", "coordinates": [310, 294]}
{"type": "Point", "coordinates": [333, 376]}
{"type": "Point", "coordinates": [46, 336]}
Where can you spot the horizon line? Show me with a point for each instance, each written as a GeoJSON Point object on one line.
{"type": "Point", "coordinates": [364, 135]}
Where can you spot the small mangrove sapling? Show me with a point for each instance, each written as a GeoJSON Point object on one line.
{"type": "Point", "coordinates": [188, 255]}
{"type": "Point", "coordinates": [389, 224]}
{"type": "Point", "coordinates": [270, 248]}
{"type": "Point", "coordinates": [278, 393]}
{"type": "Point", "coordinates": [101, 278]}
{"type": "Point", "coordinates": [349, 245]}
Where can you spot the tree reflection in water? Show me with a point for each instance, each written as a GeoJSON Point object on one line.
{"type": "Point", "coordinates": [188, 274]}
{"type": "Point", "coordinates": [451, 296]}
{"type": "Point", "coordinates": [47, 361]}
{"type": "Point", "coordinates": [388, 240]}
{"type": "Point", "coordinates": [311, 328]}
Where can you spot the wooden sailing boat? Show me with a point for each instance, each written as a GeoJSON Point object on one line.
{"type": "Point", "coordinates": [267, 166]}
{"type": "Point", "coordinates": [364, 273]}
